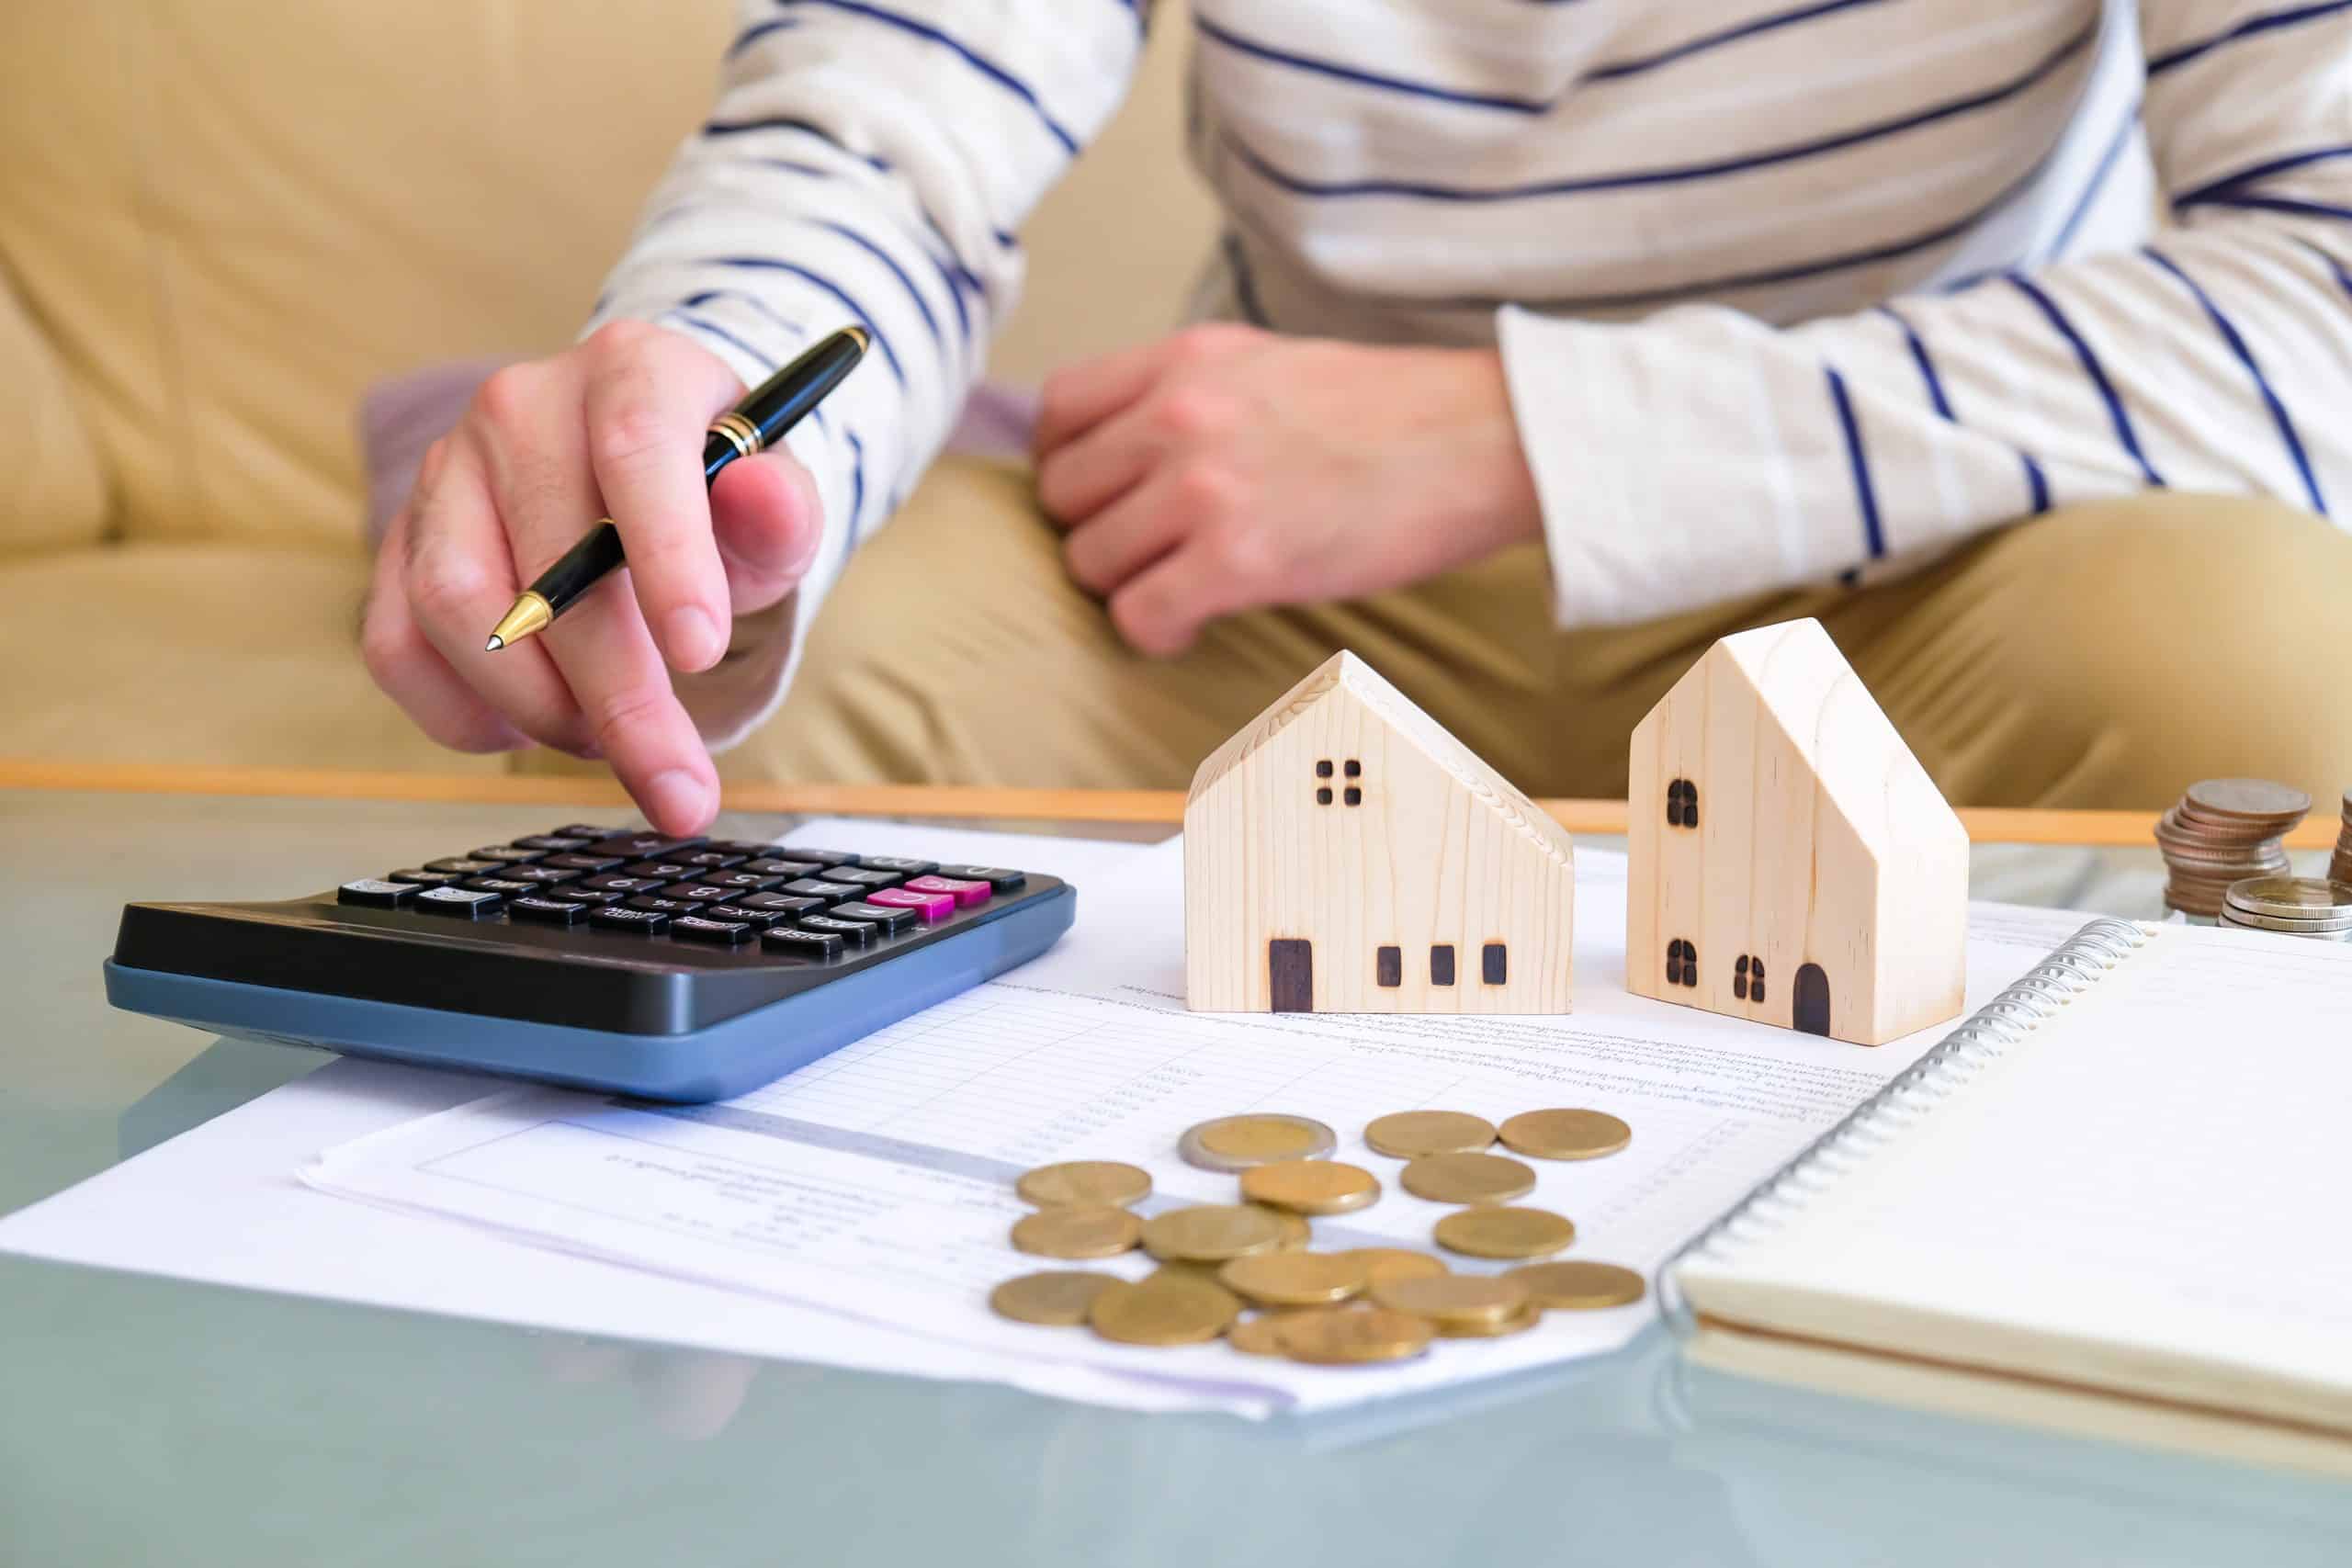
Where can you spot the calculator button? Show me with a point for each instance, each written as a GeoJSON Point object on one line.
{"type": "Point", "coordinates": [713, 860]}
{"type": "Point", "coordinates": [800, 943]}
{"type": "Point", "coordinates": [767, 867]}
{"type": "Point", "coordinates": [661, 869]}
{"type": "Point", "coordinates": [903, 867]}
{"type": "Point", "coordinates": [507, 854]}
{"type": "Point", "coordinates": [891, 921]}
{"type": "Point", "coordinates": [550, 911]}
{"type": "Point", "coordinates": [760, 918]}
{"type": "Point", "coordinates": [575, 893]}
{"type": "Point", "coordinates": [741, 881]}
{"type": "Point", "coordinates": [700, 891]}
{"type": "Point", "coordinates": [750, 848]}
{"type": "Point", "coordinates": [857, 933]}
{"type": "Point", "coordinates": [822, 857]}
{"type": "Point", "coordinates": [553, 844]}
{"type": "Point", "coordinates": [643, 846]}
{"type": "Point", "coordinates": [864, 876]}
{"type": "Point", "coordinates": [459, 866]}
{"type": "Point", "coordinates": [618, 884]}
{"type": "Point", "coordinates": [778, 903]}
{"type": "Point", "coordinates": [964, 893]}
{"type": "Point", "coordinates": [810, 888]}
{"type": "Point", "coordinates": [932, 907]}
{"type": "Point", "coordinates": [644, 922]}
{"type": "Point", "coordinates": [505, 885]}
{"type": "Point", "coordinates": [539, 876]}
{"type": "Point", "coordinates": [581, 863]}
{"type": "Point", "coordinates": [1002, 878]}
{"type": "Point", "coordinates": [587, 831]}
{"type": "Point", "coordinates": [376, 892]}
{"type": "Point", "coordinates": [722, 933]}
{"type": "Point", "coordinates": [425, 878]}
{"type": "Point", "coordinates": [660, 906]}
{"type": "Point", "coordinates": [465, 903]}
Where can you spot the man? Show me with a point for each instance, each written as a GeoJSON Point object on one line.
{"type": "Point", "coordinates": [1738, 311]}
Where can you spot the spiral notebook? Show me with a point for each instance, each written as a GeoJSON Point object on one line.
{"type": "Point", "coordinates": [2117, 1200]}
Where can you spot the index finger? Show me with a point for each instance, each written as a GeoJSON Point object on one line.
{"type": "Point", "coordinates": [646, 412]}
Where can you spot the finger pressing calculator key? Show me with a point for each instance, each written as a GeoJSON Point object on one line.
{"type": "Point", "coordinates": [595, 955]}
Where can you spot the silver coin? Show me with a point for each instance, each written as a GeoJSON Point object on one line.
{"type": "Point", "coordinates": [2246, 922]}
{"type": "Point", "coordinates": [2293, 897]}
{"type": "Point", "coordinates": [1309, 1139]}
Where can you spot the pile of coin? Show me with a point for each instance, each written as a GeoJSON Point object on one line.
{"type": "Point", "coordinates": [1246, 1271]}
{"type": "Point", "coordinates": [2221, 831]}
{"type": "Point", "coordinates": [2299, 906]}
{"type": "Point", "coordinates": [2339, 868]}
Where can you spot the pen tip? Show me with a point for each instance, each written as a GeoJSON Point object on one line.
{"type": "Point", "coordinates": [495, 643]}
{"type": "Point", "coordinates": [860, 336]}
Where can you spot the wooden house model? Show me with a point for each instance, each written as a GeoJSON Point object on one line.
{"type": "Point", "coordinates": [1791, 862]}
{"type": "Point", "coordinates": [1343, 853]}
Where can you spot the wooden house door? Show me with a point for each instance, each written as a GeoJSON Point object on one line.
{"type": "Point", "coordinates": [1289, 973]}
{"type": "Point", "coordinates": [1813, 999]}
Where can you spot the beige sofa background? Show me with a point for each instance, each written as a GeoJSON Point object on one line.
{"type": "Point", "coordinates": [220, 221]}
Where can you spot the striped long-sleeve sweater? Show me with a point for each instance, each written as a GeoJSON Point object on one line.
{"type": "Point", "coordinates": [1783, 290]}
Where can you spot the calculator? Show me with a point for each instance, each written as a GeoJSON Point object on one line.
{"type": "Point", "coordinates": [607, 958]}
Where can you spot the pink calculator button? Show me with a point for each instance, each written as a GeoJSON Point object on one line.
{"type": "Point", "coordinates": [966, 894]}
{"type": "Point", "coordinates": [932, 907]}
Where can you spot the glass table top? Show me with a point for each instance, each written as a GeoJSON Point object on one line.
{"type": "Point", "coordinates": [148, 1421]}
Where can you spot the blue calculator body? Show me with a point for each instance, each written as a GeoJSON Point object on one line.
{"type": "Point", "coordinates": [675, 969]}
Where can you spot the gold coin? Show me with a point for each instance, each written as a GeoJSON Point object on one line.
{"type": "Point", "coordinates": [1574, 1285]}
{"type": "Point", "coordinates": [1059, 1296]}
{"type": "Point", "coordinates": [1256, 1140]}
{"type": "Point", "coordinates": [1453, 1298]}
{"type": "Point", "coordinates": [1255, 1335]}
{"type": "Point", "coordinates": [1295, 1279]}
{"type": "Point", "coordinates": [1409, 1134]}
{"type": "Point", "coordinates": [1167, 1310]}
{"type": "Point", "coordinates": [1396, 1263]}
{"type": "Point", "coordinates": [1518, 1323]}
{"type": "Point", "coordinates": [1566, 1135]}
{"type": "Point", "coordinates": [1211, 1232]}
{"type": "Point", "coordinates": [1310, 1186]}
{"type": "Point", "coordinates": [1090, 1232]}
{"type": "Point", "coordinates": [1091, 1182]}
{"type": "Point", "coordinates": [1297, 1236]}
{"type": "Point", "coordinates": [1468, 1179]}
{"type": "Point", "coordinates": [1504, 1233]}
{"type": "Point", "coordinates": [1198, 1273]}
{"type": "Point", "coordinates": [1350, 1337]}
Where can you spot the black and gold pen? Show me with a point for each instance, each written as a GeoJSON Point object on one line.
{"type": "Point", "coordinates": [752, 426]}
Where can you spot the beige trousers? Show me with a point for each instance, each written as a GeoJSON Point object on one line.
{"type": "Point", "coordinates": [2103, 656]}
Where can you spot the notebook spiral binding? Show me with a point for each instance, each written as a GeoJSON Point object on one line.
{"type": "Point", "coordinates": [1986, 1036]}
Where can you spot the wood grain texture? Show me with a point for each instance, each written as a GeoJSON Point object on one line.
{"type": "Point", "coordinates": [1438, 852]}
{"type": "Point", "coordinates": [1821, 850]}
{"type": "Point", "coordinates": [1986, 825]}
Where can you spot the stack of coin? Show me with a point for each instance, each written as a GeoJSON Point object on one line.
{"type": "Point", "coordinates": [2299, 906]}
{"type": "Point", "coordinates": [2221, 831]}
{"type": "Point", "coordinates": [2340, 868]}
{"type": "Point", "coordinates": [1247, 1272]}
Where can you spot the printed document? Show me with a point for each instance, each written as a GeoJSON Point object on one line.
{"type": "Point", "coordinates": [877, 1182]}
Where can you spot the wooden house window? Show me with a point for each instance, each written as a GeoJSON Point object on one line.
{"type": "Point", "coordinates": [1682, 803]}
{"type": "Point", "coordinates": [1442, 964]}
{"type": "Point", "coordinates": [1493, 964]}
{"type": "Point", "coordinates": [1747, 978]}
{"type": "Point", "coordinates": [1388, 965]}
{"type": "Point", "coordinates": [1681, 963]}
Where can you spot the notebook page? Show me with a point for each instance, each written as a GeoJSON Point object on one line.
{"type": "Point", "coordinates": [2149, 1191]}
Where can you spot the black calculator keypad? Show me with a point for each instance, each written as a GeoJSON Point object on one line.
{"type": "Point", "coordinates": [771, 900]}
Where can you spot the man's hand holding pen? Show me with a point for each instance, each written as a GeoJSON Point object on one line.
{"type": "Point", "coordinates": [613, 427]}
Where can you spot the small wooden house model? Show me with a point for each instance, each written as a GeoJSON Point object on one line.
{"type": "Point", "coordinates": [1791, 862]}
{"type": "Point", "coordinates": [1343, 853]}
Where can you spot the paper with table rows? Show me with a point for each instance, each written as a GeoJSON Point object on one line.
{"type": "Point", "coordinates": [877, 1182]}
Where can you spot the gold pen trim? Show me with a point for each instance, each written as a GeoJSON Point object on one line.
{"type": "Point", "coordinates": [740, 432]}
{"type": "Point", "coordinates": [529, 614]}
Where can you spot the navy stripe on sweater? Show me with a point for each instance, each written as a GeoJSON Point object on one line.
{"type": "Point", "coordinates": [2252, 27]}
{"type": "Point", "coordinates": [1618, 69]}
{"type": "Point", "coordinates": [1865, 493]}
{"type": "Point", "coordinates": [979, 63]}
{"type": "Point", "coordinates": [2232, 336]}
{"type": "Point", "coordinates": [2127, 438]}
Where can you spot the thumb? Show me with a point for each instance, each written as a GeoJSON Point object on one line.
{"type": "Point", "coordinates": [768, 521]}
